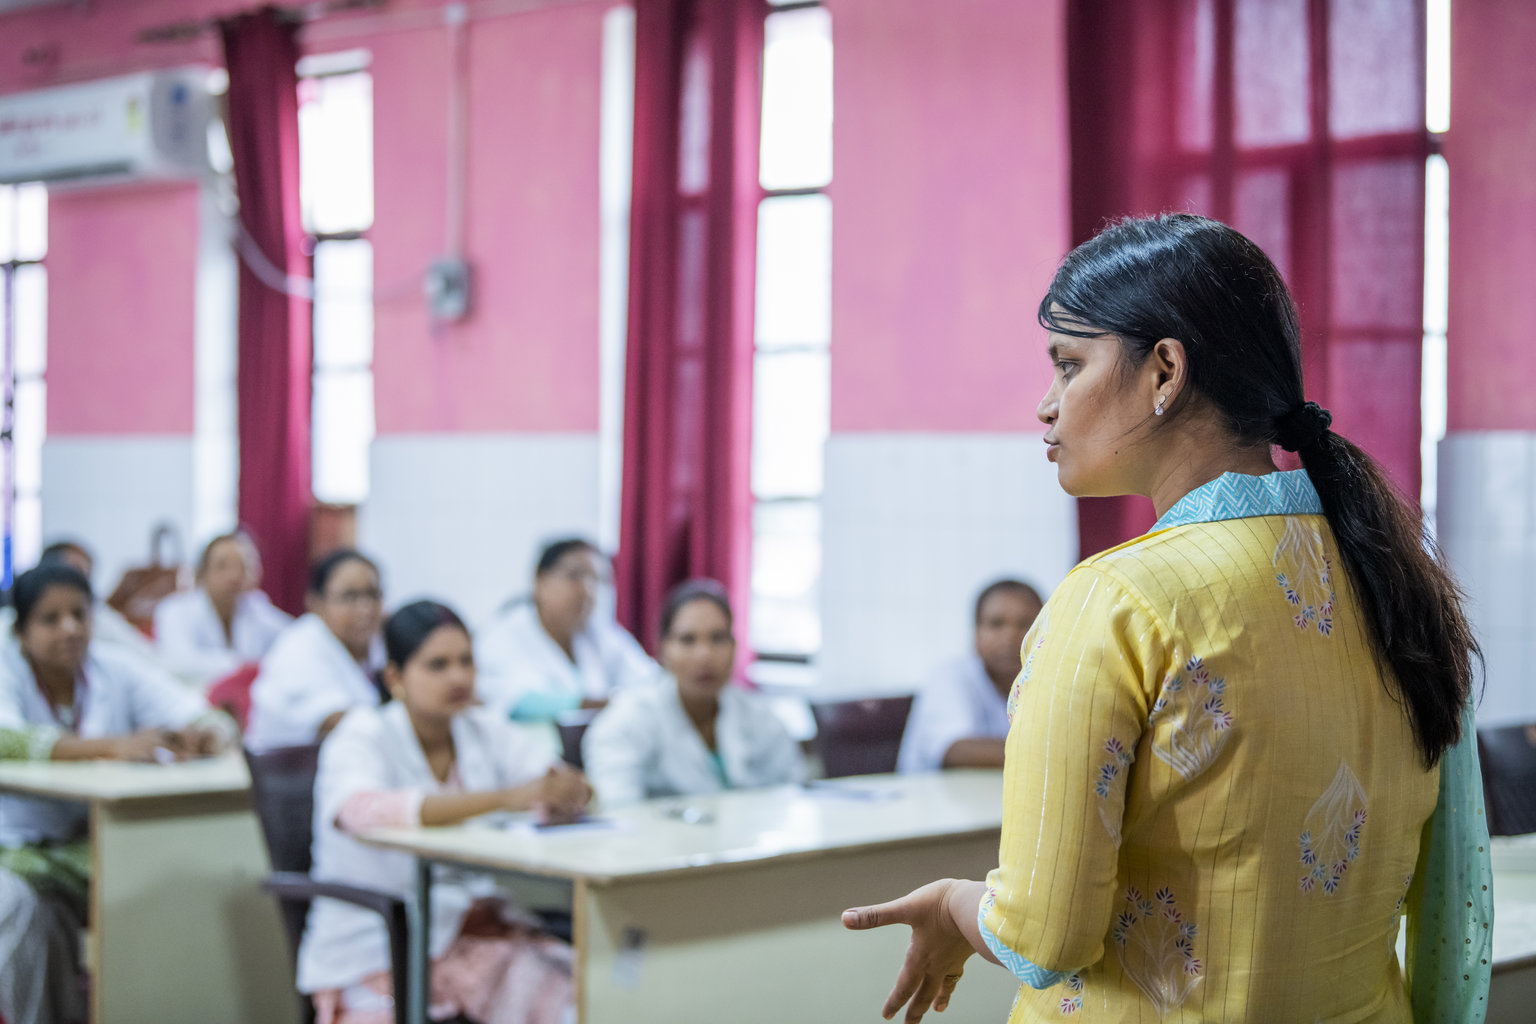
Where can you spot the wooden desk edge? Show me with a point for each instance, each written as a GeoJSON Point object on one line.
{"type": "Point", "coordinates": [494, 863]}
{"type": "Point", "coordinates": [115, 796]}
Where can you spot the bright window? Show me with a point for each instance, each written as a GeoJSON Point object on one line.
{"type": "Point", "coordinates": [24, 330]}
{"type": "Point", "coordinates": [336, 195]}
{"type": "Point", "coordinates": [791, 371]}
{"type": "Point", "coordinates": [1437, 253]}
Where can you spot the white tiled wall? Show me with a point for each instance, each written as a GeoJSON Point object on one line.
{"type": "Point", "coordinates": [460, 517]}
{"type": "Point", "coordinates": [1487, 526]}
{"type": "Point", "coordinates": [914, 525]}
{"type": "Point", "coordinates": [109, 492]}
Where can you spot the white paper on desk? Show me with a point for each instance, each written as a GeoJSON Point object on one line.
{"type": "Point", "coordinates": [595, 824]}
{"type": "Point", "coordinates": [629, 961]}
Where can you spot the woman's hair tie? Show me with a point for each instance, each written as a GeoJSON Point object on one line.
{"type": "Point", "coordinates": [1302, 426]}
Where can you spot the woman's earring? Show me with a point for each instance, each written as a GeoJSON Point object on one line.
{"type": "Point", "coordinates": [1159, 410]}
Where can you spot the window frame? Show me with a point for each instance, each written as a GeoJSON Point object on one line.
{"type": "Point", "coordinates": [15, 380]}
{"type": "Point", "coordinates": [789, 659]}
{"type": "Point", "coordinates": [314, 242]}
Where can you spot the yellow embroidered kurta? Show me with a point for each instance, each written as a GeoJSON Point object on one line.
{"type": "Point", "coordinates": [1213, 804]}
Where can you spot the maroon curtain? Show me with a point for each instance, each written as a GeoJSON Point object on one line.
{"type": "Point", "coordinates": [274, 361]}
{"type": "Point", "coordinates": [1301, 123]}
{"type": "Point", "coordinates": [686, 502]}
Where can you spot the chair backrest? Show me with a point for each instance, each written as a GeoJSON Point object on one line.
{"type": "Point", "coordinates": [1508, 756]}
{"type": "Point", "coordinates": [860, 737]}
{"type": "Point", "coordinates": [573, 727]}
{"type": "Point", "coordinates": [233, 693]}
{"type": "Point", "coordinates": [283, 792]}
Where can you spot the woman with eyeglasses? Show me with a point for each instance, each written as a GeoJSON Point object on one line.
{"type": "Point", "coordinates": [327, 661]}
{"type": "Point", "coordinates": [556, 652]}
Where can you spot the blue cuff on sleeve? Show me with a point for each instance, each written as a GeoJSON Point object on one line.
{"type": "Point", "coordinates": [1030, 974]}
{"type": "Point", "coordinates": [544, 706]}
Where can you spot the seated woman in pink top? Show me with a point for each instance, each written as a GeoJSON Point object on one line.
{"type": "Point", "coordinates": [431, 756]}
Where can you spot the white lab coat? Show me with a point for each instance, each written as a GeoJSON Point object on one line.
{"type": "Point", "coordinates": [515, 657]}
{"type": "Point", "coordinates": [122, 694]}
{"type": "Point", "coordinates": [307, 676]}
{"type": "Point", "coordinates": [375, 750]}
{"type": "Point", "coordinates": [191, 638]}
{"type": "Point", "coordinates": [643, 745]}
{"type": "Point", "coordinates": [958, 702]}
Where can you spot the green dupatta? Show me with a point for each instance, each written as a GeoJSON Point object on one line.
{"type": "Point", "coordinates": [1450, 904]}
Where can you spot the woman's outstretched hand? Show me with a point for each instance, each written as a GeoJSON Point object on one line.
{"type": "Point", "coordinates": [938, 951]}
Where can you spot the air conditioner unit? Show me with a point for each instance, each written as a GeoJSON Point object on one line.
{"type": "Point", "coordinates": [142, 127]}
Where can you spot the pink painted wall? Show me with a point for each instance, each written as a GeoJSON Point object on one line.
{"type": "Point", "coordinates": [121, 261]}
{"type": "Point", "coordinates": [934, 285]}
{"type": "Point", "coordinates": [527, 357]}
{"type": "Point", "coordinates": [1490, 150]}
{"type": "Point", "coordinates": [950, 210]}
{"type": "Point", "coordinates": [121, 268]}
{"type": "Point", "coordinates": [73, 42]}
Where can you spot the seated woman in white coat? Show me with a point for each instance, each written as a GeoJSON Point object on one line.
{"type": "Point", "coordinates": [960, 717]}
{"type": "Point", "coordinates": [208, 632]}
{"type": "Point", "coordinates": [552, 654]}
{"type": "Point", "coordinates": [108, 626]}
{"type": "Point", "coordinates": [431, 757]}
{"type": "Point", "coordinates": [64, 698]}
{"type": "Point", "coordinates": [690, 730]}
{"type": "Point", "coordinates": [327, 661]}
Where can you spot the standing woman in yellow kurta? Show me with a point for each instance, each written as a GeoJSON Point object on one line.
{"type": "Point", "coordinates": [1241, 745]}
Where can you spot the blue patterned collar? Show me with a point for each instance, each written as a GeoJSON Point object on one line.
{"type": "Point", "coordinates": [1239, 496]}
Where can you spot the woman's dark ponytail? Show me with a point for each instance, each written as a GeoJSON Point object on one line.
{"type": "Point", "coordinates": [1410, 600]}
{"type": "Point", "coordinates": [1198, 280]}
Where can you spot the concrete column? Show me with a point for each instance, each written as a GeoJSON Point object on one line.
{"type": "Point", "coordinates": [1487, 488]}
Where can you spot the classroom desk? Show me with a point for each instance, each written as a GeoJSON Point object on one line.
{"type": "Point", "coordinates": [179, 930]}
{"type": "Point", "coordinates": [746, 898]}
{"type": "Point", "coordinates": [727, 907]}
{"type": "Point", "coordinates": [1514, 930]}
